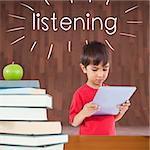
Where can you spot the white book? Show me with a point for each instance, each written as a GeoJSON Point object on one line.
{"type": "Point", "coordinates": [30, 127]}
{"type": "Point", "coordinates": [22, 91]}
{"type": "Point", "coordinates": [52, 147]}
{"type": "Point", "coordinates": [12, 113]}
{"type": "Point", "coordinates": [44, 100]}
{"type": "Point", "coordinates": [33, 140]}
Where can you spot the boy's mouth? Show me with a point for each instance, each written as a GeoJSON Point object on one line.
{"type": "Point", "coordinates": [99, 81]}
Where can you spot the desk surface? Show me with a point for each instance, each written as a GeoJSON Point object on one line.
{"type": "Point", "coordinates": [108, 143]}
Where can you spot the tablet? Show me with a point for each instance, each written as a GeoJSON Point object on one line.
{"type": "Point", "coordinates": [109, 97]}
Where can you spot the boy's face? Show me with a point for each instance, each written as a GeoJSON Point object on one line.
{"type": "Point", "coordinates": [96, 74]}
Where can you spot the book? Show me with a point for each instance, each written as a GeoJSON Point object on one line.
{"type": "Point", "coordinates": [51, 147]}
{"type": "Point", "coordinates": [30, 127]}
{"type": "Point", "coordinates": [22, 91]}
{"type": "Point", "coordinates": [43, 100]}
{"type": "Point", "coordinates": [33, 140]}
{"type": "Point", "coordinates": [110, 97]}
{"type": "Point", "coordinates": [19, 83]}
{"type": "Point", "coordinates": [12, 113]}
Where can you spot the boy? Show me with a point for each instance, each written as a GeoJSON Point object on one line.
{"type": "Point", "coordinates": [95, 64]}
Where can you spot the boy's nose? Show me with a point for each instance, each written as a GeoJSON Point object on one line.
{"type": "Point", "coordinates": [100, 74]}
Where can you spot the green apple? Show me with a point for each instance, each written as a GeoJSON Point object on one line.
{"type": "Point", "coordinates": [13, 72]}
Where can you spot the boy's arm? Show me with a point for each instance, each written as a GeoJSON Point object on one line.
{"type": "Point", "coordinates": [123, 108]}
{"type": "Point", "coordinates": [88, 110]}
{"type": "Point", "coordinates": [78, 119]}
{"type": "Point", "coordinates": [119, 116]}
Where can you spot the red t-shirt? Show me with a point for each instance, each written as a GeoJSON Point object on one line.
{"type": "Point", "coordinates": [93, 125]}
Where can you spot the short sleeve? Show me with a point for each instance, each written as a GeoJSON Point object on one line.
{"type": "Point", "coordinates": [75, 107]}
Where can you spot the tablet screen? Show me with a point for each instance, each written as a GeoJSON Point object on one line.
{"type": "Point", "coordinates": [109, 97]}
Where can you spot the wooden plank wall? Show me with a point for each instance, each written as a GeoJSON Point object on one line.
{"type": "Point", "coordinates": [61, 74]}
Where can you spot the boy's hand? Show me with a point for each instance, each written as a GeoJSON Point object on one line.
{"type": "Point", "coordinates": [89, 109]}
{"type": "Point", "coordinates": [124, 107]}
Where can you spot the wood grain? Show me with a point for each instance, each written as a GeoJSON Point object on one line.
{"type": "Point", "coordinates": [61, 74]}
{"type": "Point", "coordinates": [107, 143]}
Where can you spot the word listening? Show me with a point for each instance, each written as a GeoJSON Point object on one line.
{"type": "Point", "coordinates": [66, 23]}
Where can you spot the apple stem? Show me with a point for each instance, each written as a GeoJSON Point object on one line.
{"type": "Point", "coordinates": [13, 62]}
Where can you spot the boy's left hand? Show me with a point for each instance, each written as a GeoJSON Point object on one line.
{"type": "Point", "coordinates": [124, 107]}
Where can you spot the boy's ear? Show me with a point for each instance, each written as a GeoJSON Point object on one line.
{"type": "Point", "coordinates": [83, 68]}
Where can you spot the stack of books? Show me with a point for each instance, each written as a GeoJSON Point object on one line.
{"type": "Point", "coordinates": [23, 118]}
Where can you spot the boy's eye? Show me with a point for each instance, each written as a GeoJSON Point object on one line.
{"type": "Point", "coordinates": [105, 69]}
{"type": "Point", "coordinates": [94, 69]}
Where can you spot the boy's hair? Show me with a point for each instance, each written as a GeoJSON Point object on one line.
{"type": "Point", "coordinates": [94, 53]}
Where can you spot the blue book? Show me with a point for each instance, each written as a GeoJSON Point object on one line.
{"type": "Point", "coordinates": [19, 83]}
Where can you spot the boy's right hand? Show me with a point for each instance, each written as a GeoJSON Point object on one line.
{"type": "Point", "coordinates": [89, 109]}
